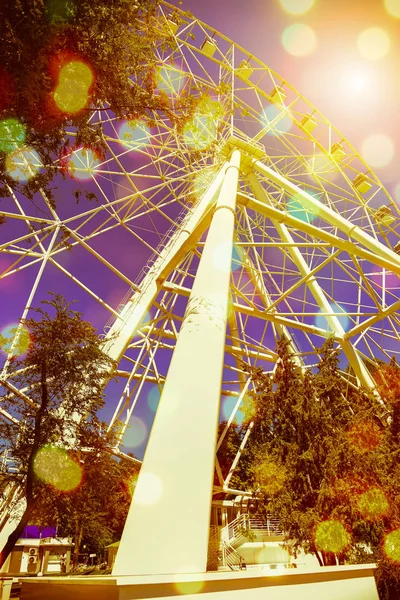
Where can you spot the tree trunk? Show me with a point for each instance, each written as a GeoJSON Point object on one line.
{"type": "Point", "coordinates": [14, 536]}
{"type": "Point", "coordinates": [329, 558]}
{"type": "Point", "coordinates": [77, 540]}
{"type": "Point", "coordinates": [321, 564]}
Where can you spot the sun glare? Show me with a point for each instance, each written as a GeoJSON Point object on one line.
{"type": "Point", "coordinates": [189, 587]}
{"type": "Point", "coordinates": [18, 345]}
{"type": "Point", "coordinates": [297, 7]}
{"type": "Point", "coordinates": [134, 135]}
{"type": "Point", "coordinates": [331, 536]}
{"type": "Point", "coordinates": [299, 40]}
{"type": "Point", "coordinates": [393, 8]}
{"type": "Point", "coordinates": [377, 150]}
{"type": "Point", "coordinates": [135, 433]}
{"type": "Point", "coordinates": [392, 545]}
{"type": "Point", "coordinates": [276, 120]}
{"type": "Point", "coordinates": [149, 489]}
{"type": "Point", "coordinates": [200, 132]}
{"type": "Point", "coordinates": [12, 135]}
{"type": "Point", "coordinates": [153, 398]}
{"type": "Point", "coordinates": [54, 466]}
{"type": "Point", "coordinates": [72, 91]}
{"type": "Point", "coordinates": [373, 504]}
{"type": "Point", "coordinates": [23, 164]}
{"type": "Point", "coordinates": [83, 164]}
{"type": "Point", "coordinates": [170, 80]}
{"type": "Point", "coordinates": [322, 321]}
{"type": "Point", "coordinates": [373, 43]}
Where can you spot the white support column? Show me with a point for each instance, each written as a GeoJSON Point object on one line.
{"type": "Point", "coordinates": [354, 359]}
{"type": "Point", "coordinates": [124, 328]}
{"type": "Point", "coordinates": [168, 522]}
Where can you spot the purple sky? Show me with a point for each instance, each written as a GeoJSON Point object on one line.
{"type": "Point", "coordinates": [357, 93]}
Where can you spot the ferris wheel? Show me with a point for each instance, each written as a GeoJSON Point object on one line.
{"type": "Point", "coordinates": [260, 188]}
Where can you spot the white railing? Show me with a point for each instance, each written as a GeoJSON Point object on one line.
{"type": "Point", "coordinates": [270, 525]}
{"type": "Point", "coordinates": [234, 532]}
{"type": "Point", "coordinates": [230, 557]}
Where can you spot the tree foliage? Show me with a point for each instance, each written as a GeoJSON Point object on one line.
{"type": "Point", "coordinates": [53, 431]}
{"type": "Point", "coordinates": [323, 457]}
{"type": "Point", "coordinates": [59, 60]}
{"type": "Point", "coordinates": [94, 513]}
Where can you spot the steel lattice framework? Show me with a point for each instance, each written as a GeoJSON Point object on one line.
{"type": "Point", "coordinates": [315, 232]}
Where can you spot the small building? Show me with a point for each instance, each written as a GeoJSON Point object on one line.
{"type": "Point", "coordinates": [112, 550]}
{"type": "Point", "coordinates": [47, 555]}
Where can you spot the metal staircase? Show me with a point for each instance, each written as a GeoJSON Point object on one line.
{"type": "Point", "coordinates": [224, 541]}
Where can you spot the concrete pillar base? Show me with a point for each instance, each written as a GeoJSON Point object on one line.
{"type": "Point", "coordinates": [355, 582]}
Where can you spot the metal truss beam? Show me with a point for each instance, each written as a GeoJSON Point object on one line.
{"type": "Point", "coordinates": [310, 280]}
{"type": "Point", "coordinates": [130, 318]}
{"type": "Point", "coordinates": [353, 232]}
{"type": "Point", "coordinates": [346, 245]}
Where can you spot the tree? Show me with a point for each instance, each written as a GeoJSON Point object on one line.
{"type": "Point", "coordinates": [59, 60]}
{"type": "Point", "coordinates": [323, 456]}
{"type": "Point", "coordinates": [302, 456]}
{"type": "Point", "coordinates": [94, 513]}
{"type": "Point", "coordinates": [53, 423]}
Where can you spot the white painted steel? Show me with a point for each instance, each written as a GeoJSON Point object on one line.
{"type": "Point", "coordinates": [180, 453]}
{"type": "Point", "coordinates": [353, 357]}
{"type": "Point", "coordinates": [125, 327]}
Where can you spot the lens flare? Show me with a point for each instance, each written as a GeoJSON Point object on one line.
{"type": "Point", "coordinates": [397, 193]}
{"type": "Point", "coordinates": [322, 322]}
{"type": "Point", "coordinates": [153, 398]}
{"type": "Point", "coordinates": [237, 258]}
{"type": "Point", "coordinates": [365, 436]}
{"type": "Point", "coordinates": [130, 483]}
{"type": "Point", "coordinates": [83, 164]}
{"type": "Point", "coordinates": [296, 209]}
{"type": "Point", "coordinates": [170, 80]}
{"type": "Point", "coordinates": [373, 504]}
{"type": "Point", "coordinates": [227, 405]}
{"type": "Point", "coordinates": [248, 407]}
{"type": "Point", "coordinates": [373, 43]}
{"type": "Point", "coordinates": [270, 476]}
{"type": "Point", "coordinates": [23, 164]}
{"type": "Point", "coordinates": [393, 8]}
{"type": "Point", "coordinates": [21, 343]}
{"type": "Point", "coordinates": [200, 132]}
{"type": "Point", "coordinates": [276, 120]}
{"type": "Point", "coordinates": [134, 135]}
{"type": "Point", "coordinates": [54, 466]}
{"type": "Point", "coordinates": [221, 252]}
{"type": "Point", "coordinates": [297, 7]}
{"type": "Point", "coordinates": [378, 150]}
{"type": "Point", "coordinates": [188, 587]}
{"type": "Point", "coordinates": [149, 489]}
{"type": "Point", "coordinates": [135, 433]}
{"type": "Point", "coordinates": [322, 166]}
{"type": "Point", "coordinates": [12, 135]}
{"type": "Point", "coordinates": [60, 11]}
{"type": "Point", "coordinates": [299, 40]}
{"type": "Point", "coordinates": [331, 536]}
{"type": "Point", "coordinates": [392, 545]}
{"type": "Point", "coordinates": [72, 91]}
